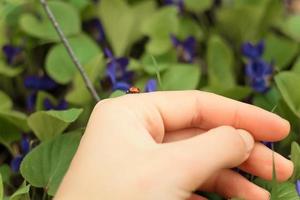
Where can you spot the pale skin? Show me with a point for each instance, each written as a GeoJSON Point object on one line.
{"type": "Point", "coordinates": [165, 145]}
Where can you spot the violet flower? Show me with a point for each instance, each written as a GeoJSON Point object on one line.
{"type": "Point", "coordinates": [118, 74]}
{"type": "Point", "coordinates": [61, 105]}
{"type": "Point", "coordinates": [186, 49]}
{"type": "Point", "coordinates": [258, 71]}
{"type": "Point", "coordinates": [12, 54]}
{"type": "Point", "coordinates": [24, 149]}
{"type": "Point", "coordinates": [151, 86]}
{"type": "Point", "coordinates": [95, 28]}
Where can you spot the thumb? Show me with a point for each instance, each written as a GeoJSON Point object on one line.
{"type": "Point", "coordinates": [194, 160]}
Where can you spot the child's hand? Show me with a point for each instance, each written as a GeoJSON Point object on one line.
{"type": "Point", "coordinates": [165, 145]}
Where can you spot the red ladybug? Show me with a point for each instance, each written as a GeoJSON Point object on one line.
{"type": "Point", "coordinates": [133, 90]}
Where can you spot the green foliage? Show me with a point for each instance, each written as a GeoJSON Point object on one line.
{"type": "Point", "coordinates": [122, 22]}
{"type": "Point", "coordinates": [79, 95]}
{"type": "Point", "coordinates": [46, 125]}
{"type": "Point", "coordinates": [6, 103]}
{"type": "Point", "coordinates": [140, 31]}
{"type": "Point", "coordinates": [198, 6]}
{"type": "Point", "coordinates": [40, 26]}
{"type": "Point", "coordinates": [46, 165]}
{"type": "Point", "coordinates": [295, 157]}
{"type": "Point", "coordinates": [22, 193]}
{"type": "Point", "coordinates": [181, 77]}
{"type": "Point", "coordinates": [280, 50]}
{"type": "Point", "coordinates": [220, 63]}
{"type": "Point", "coordinates": [285, 82]}
{"type": "Point", "coordinates": [284, 191]}
{"type": "Point", "coordinates": [58, 63]}
{"type": "Point", "coordinates": [8, 71]}
{"type": "Point", "coordinates": [291, 27]}
{"type": "Point", "coordinates": [158, 27]}
{"type": "Point", "coordinates": [1, 188]}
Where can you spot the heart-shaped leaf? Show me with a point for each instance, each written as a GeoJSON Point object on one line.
{"type": "Point", "coordinates": [220, 63]}
{"type": "Point", "coordinates": [181, 77]}
{"type": "Point", "coordinates": [122, 22]}
{"type": "Point", "coordinates": [39, 26]}
{"type": "Point", "coordinates": [291, 27]}
{"type": "Point", "coordinates": [159, 27]}
{"type": "Point", "coordinates": [46, 164]}
{"type": "Point", "coordinates": [59, 65]}
{"type": "Point", "coordinates": [280, 50]}
{"type": "Point", "coordinates": [286, 82]}
{"type": "Point", "coordinates": [48, 124]}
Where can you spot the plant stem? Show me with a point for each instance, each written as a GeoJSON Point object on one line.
{"type": "Point", "coordinates": [70, 51]}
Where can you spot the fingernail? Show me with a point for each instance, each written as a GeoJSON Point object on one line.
{"type": "Point", "coordinates": [248, 139]}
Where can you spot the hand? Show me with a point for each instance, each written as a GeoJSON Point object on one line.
{"type": "Point", "coordinates": [165, 145]}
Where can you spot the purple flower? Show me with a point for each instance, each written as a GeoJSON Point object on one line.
{"type": "Point", "coordinates": [268, 144]}
{"type": "Point", "coordinates": [298, 186]}
{"type": "Point", "coordinates": [186, 49]}
{"type": "Point", "coordinates": [151, 86]}
{"type": "Point", "coordinates": [178, 3]}
{"type": "Point", "coordinates": [95, 28]}
{"type": "Point", "coordinates": [259, 74]}
{"type": "Point", "coordinates": [117, 72]}
{"type": "Point", "coordinates": [24, 149]}
{"type": "Point", "coordinates": [253, 51]}
{"type": "Point", "coordinates": [61, 105]}
{"type": "Point", "coordinates": [12, 54]}
{"type": "Point", "coordinates": [30, 101]}
{"type": "Point", "coordinates": [39, 83]}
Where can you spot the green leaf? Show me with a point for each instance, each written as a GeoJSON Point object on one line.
{"type": "Point", "coordinates": [163, 62]}
{"type": "Point", "coordinates": [80, 4]}
{"type": "Point", "coordinates": [220, 63]}
{"type": "Point", "coordinates": [188, 27]}
{"type": "Point", "coordinates": [263, 183]}
{"type": "Point", "coordinates": [22, 193]}
{"type": "Point", "coordinates": [286, 82]}
{"type": "Point", "coordinates": [181, 77]}
{"type": "Point", "coordinates": [46, 164]}
{"type": "Point", "coordinates": [6, 103]}
{"type": "Point", "coordinates": [117, 93]}
{"type": "Point", "coordinates": [295, 157]}
{"type": "Point", "coordinates": [284, 191]}
{"type": "Point", "coordinates": [198, 6]}
{"type": "Point", "coordinates": [281, 50]}
{"type": "Point", "coordinates": [122, 22]}
{"type": "Point", "coordinates": [5, 173]}
{"type": "Point", "coordinates": [291, 27]}
{"type": "Point", "coordinates": [9, 71]}
{"type": "Point", "coordinates": [49, 124]}
{"type": "Point", "coordinates": [236, 92]}
{"type": "Point", "coordinates": [12, 123]}
{"type": "Point", "coordinates": [158, 27]}
{"type": "Point", "coordinates": [59, 65]}
{"type": "Point", "coordinates": [41, 27]}
{"type": "Point", "coordinates": [41, 96]}
{"type": "Point", "coordinates": [79, 95]}
{"type": "Point", "coordinates": [1, 188]}
{"type": "Point", "coordinates": [296, 66]}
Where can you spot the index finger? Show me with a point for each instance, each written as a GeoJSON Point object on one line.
{"type": "Point", "coordinates": [188, 109]}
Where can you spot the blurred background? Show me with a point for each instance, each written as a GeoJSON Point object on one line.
{"type": "Point", "coordinates": [247, 50]}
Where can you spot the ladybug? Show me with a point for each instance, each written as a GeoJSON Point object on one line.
{"type": "Point", "coordinates": [133, 90]}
